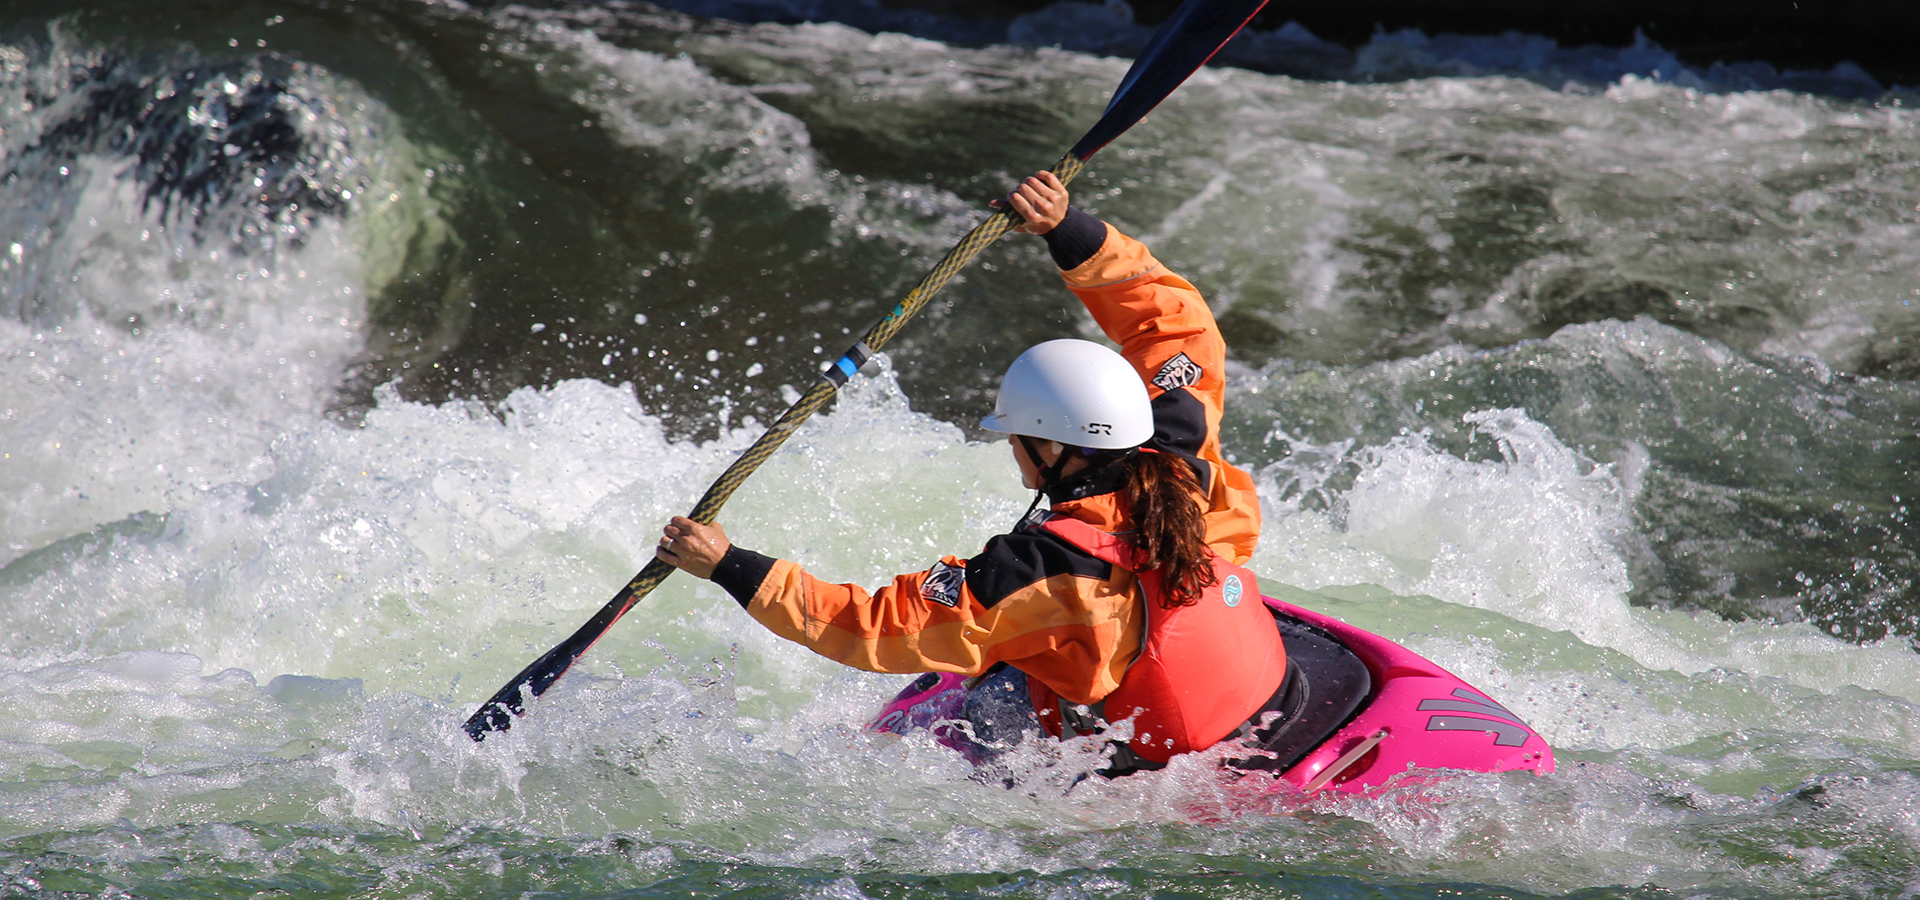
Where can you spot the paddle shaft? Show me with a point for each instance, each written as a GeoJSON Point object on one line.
{"type": "Point", "coordinates": [1197, 30]}
{"type": "Point", "coordinates": [494, 715]}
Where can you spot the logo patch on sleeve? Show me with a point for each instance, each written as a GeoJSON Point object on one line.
{"type": "Point", "coordinates": [943, 584]}
{"type": "Point", "coordinates": [1177, 373]}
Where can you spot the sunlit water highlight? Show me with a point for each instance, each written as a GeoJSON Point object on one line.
{"type": "Point", "coordinates": [1632, 454]}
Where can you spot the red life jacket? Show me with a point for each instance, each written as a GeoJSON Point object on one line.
{"type": "Point", "coordinates": [1203, 670]}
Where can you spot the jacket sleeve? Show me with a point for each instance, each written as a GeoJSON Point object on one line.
{"type": "Point", "coordinates": [1166, 331]}
{"type": "Point", "coordinates": [919, 622]}
{"type": "Point", "coordinates": [1074, 630]}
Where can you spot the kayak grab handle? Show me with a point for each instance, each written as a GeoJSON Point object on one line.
{"type": "Point", "coordinates": [1345, 762]}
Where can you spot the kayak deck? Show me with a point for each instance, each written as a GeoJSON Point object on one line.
{"type": "Point", "coordinates": [1419, 716]}
{"type": "Point", "coordinates": [1415, 714]}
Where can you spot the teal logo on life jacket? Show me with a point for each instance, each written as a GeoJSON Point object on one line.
{"type": "Point", "coordinates": [1231, 590]}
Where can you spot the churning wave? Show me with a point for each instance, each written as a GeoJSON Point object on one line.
{"type": "Point", "coordinates": [1109, 28]}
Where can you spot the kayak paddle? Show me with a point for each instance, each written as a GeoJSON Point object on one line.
{"type": "Point", "coordinates": [1197, 30]}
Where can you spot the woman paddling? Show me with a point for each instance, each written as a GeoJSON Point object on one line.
{"type": "Point", "coordinates": [1125, 600]}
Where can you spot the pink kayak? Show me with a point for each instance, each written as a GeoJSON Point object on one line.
{"type": "Point", "coordinates": [1406, 712]}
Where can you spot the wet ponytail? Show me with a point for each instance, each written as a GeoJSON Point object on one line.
{"type": "Point", "coordinates": [1172, 529]}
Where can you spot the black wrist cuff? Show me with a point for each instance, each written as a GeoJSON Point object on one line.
{"type": "Point", "coordinates": [740, 573]}
{"type": "Point", "coordinates": [1076, 239]}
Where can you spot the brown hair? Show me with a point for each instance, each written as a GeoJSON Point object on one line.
{"type": "Point", "coordinates": [1172, 530]}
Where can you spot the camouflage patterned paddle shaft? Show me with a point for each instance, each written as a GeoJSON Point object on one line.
{"type": "Point", "coordinates": [497, 713]}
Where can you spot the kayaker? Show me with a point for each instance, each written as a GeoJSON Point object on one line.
{"type": "Point", "coordinates": [1124, 599]}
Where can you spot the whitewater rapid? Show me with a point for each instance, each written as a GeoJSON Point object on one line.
{"type": "Point", "coordinates": [1599, 397]}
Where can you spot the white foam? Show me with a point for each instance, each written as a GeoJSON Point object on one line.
{"type": "Point", "coordinates": [151, 360]}
{"type": "Point", "coordinates": [446, 530]}
{"type": "Point", "coordinates": [438, 543]}
{"type": "Point", "coordinates": [1535, 536]}
{"type": "Point", "coordinates": [104, 423]}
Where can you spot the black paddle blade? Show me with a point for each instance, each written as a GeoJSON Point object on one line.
{"type": "Point", "coordinates": [1184, 43]}
{"type": "Point", "coordinates": [493, 715]}
{"type": "Point", "coordinates": [497, 713]}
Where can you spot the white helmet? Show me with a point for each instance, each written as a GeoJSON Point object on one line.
{"type": "Point", "coordinates": [1074, 392]}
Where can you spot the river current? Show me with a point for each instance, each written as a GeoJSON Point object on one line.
{"type": "Point", "coordinates": [354, 352]}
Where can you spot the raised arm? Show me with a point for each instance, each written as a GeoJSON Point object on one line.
{"type": "Point", "coordinates": [1164, 328]}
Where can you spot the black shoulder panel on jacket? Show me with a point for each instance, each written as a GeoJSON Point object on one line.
{"type": "Point", "coordinates": [1013, 561]}
{"type": "Point", "coordinates": [1180, 428]}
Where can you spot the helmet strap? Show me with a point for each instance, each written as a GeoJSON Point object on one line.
{"type": "Point", "coordinates": [1038, 495]}
{"type": "Point", "coordinates": [1050, 478]}
{"type": "Point", "coordinates": [1049, 472]}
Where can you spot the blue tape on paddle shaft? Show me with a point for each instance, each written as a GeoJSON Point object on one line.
{"type": "Point", "coordinates": [849, 362]}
